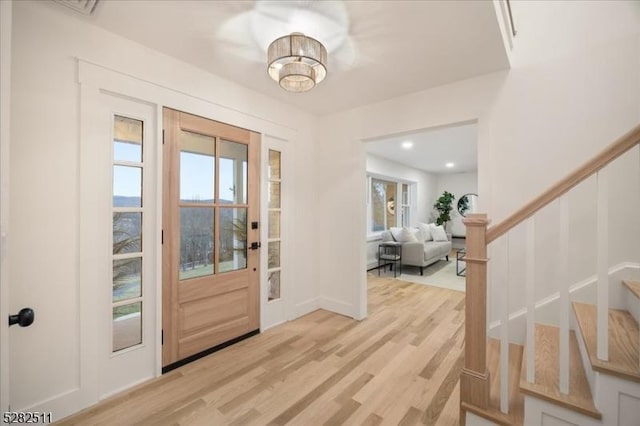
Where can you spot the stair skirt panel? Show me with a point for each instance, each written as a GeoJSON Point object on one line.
{"type": "Point", "coordinates": [541, 413]}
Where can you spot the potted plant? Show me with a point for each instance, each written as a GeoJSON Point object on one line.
{"type": "Point", "coordinates": [444, 206]}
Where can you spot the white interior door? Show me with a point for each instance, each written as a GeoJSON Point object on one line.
{"type": "Point", "coordinates": [118, 244]}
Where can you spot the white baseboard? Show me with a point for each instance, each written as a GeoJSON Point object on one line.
{"type": "Point", "coordinates": [337, 306]}
{"type": "Point", "coordinates": [306, 307]}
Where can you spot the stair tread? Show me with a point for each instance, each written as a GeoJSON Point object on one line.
{"type": "Point", "coordinates": [516, 399]}
{"type": "Point", "coordinates": [634, 286]}
{"type": "Point", "coordinates": [547, 375]}
{"type": "Point", "coordinates": [623, 341]}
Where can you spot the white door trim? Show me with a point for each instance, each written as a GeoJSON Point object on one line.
{"type": "Point", "coordinates": [5, 116]}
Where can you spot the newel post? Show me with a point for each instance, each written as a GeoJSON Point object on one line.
{"type": "Point", "coordinates": [474, 380]}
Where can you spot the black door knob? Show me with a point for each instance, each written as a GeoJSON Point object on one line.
{"type": "Point", "coordinates": [24, 318]}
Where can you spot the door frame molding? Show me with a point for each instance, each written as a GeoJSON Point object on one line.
{"type": "Point", "coordinates": [5, 117]}
{"type": "Point", "coordinates": [92, 80]}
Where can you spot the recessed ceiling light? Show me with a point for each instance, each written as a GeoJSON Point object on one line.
{"type": "Point", "coordinates": [449, 165]}
{"type": "Point", "coordinates": [407, 145]}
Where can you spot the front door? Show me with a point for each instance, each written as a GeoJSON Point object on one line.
{"type": "Point", "coordinates": [211, 262]}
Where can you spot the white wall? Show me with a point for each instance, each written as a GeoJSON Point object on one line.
{"type": "Point", "coordinates": [425, 190]}
{"type": "Point", "coordinates": [536, 123]}
{"type": "Point", "coordinates": [458, 184]}
{"type": "Point", "coordinates": [44, 203]}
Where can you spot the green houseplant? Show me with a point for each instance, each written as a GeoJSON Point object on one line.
{"type": "Point", "coordinates": [444, 206]}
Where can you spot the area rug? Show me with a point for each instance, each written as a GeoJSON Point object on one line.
{"type": "Point", "coordinates": [440, 274]}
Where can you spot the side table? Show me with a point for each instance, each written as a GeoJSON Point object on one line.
{"type": "Point", "coordinates": [390, 253]}
{"type": "Point", "coordinates": [461, 265]}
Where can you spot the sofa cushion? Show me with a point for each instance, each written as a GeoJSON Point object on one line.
{"type": "Point", "coordinates": [436, 249]}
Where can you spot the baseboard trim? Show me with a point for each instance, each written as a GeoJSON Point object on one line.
{"type": "Point", "coordinates": [337, 306]}
{"type": "Point", "coordinates": [306, 307]}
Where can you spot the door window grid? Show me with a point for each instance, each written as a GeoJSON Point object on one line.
{"type": "Point", "coordinates": [127, 225]}
{"type": "Point", "coordinates": [274, 267]}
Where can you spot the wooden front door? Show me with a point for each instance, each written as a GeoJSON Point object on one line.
{"type": "Point", "coordinates": [210, 220]}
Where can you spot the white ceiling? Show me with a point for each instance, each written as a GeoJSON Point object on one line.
{"type": "Point", "coordinates": [388, 49]}
{"type": "Point", "coordinates": [432, 149]}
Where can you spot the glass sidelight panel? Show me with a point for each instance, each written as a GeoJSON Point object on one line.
{"type": "Point", "coordinates": [233, 239]}
{"type": "Point", "coordinates": [232, 187]}
{"type": "Point", "coordinates": [127, 232]}
{"type": "Point", "coordinates": [196, 242]}
{"type": "Point", "coordinates": [274, 164]}
{"type": "Point", "coordinates": [127, 219]}
{"type": "Point", "coordinates": [274, 195]}
{"type": "Point", "coordinates": [274, 224]}
{"type": "Point", "coordinates": [274, 254]}
{"type": "Point", "coordinates": [274, 285]}
{"type": "Point", "coordinates": [127, 186]}
{"type": "Point", "coordinates": [127, 279]}
{"type": "Point", "coordinates": [197, 167]}
{"type": "Point", "coordinates": [127, 326]}
{"type": "Point", "coordinates": [127, 139]}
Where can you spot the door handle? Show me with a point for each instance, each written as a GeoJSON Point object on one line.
{"type": "Point", "coordinates": [255, 246]}
{"type": "Point", "coordinates": [24, 318]}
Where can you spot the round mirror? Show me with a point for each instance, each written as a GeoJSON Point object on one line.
{"type": "Point", "coordinates": [468, 203]}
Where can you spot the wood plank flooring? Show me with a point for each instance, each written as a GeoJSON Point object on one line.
{"type": "Point", "coordinates": [547, 374]}
{"type": "Point", "coordinates": [400, 366]}
{"type": "Point", "coordinates": [623, 341]}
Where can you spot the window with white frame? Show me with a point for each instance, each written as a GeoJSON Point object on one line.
{"type": "Point", "coordinates": [390, 203]}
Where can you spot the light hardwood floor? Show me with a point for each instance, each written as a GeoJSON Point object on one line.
{"type": "Point", "coordinates": [399, 366]}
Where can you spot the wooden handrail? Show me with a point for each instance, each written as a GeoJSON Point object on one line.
{"type": "Point", "coordinates": [613, 151]}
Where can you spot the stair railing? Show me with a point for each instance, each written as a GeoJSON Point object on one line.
{"type": "Point", "coordinates": [475, 380]}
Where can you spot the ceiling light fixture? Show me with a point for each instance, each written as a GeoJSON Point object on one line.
{"type": "Point", "coordinates": [449, 165]}
{"type": "Point", "coordinates": [297, 62]}
{"type": "Point", "coordinates": [407, 145]}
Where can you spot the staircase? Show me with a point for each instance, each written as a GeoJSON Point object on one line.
{"type": "Point", "coordinates": [581, 368]}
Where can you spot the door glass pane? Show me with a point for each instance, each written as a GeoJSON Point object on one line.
{"type": "Point", "coordinates": [127, 233]}
{"type": "Point", "coordinates": [197, 167]}
{"type": "Point", "coordinates": [127, 326]}
{"type": "Point", "coordinates": [233, 239]}
{"type": "Point", "coordinates": [274, 195]}
{"type": "Point", "coordinates": [274, 164]}
{"type": "Point", "coordinates": [233, 176]}
{"type": "Point", "coordinates": [127, 139]}
{"type": "Point", "coordinates": [127, 279]}
{"type": "Point", "coordinates": [196, 242]}
{"type": "Point", "coordinates": [127, 186]}
{"type": "Point", "coordinates": [274, 285]}
{"type": "Point", "coordinates": [274, 224]}
{"type": "Point", "coordinates": [274, 254]}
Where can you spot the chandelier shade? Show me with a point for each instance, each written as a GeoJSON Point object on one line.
{"type": "Point", "coordinates": [297, 62]}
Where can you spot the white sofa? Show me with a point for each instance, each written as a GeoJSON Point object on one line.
{"type": "Point", "coordinates": [421, 253]}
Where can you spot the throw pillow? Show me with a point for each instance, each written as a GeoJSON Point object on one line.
{"type": "Point", "coordinates": [426, 232]}
{"type": "Point", "coordinates": [406, 236]}
{"type": "Point", "coordinates": [439, 233]}
{"type": "Point", "coordinates": [396, 233]}
{"type": "Point", "coordinates": [418, 234]}
{"type": "Point", "coordinates": [386, 236]}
